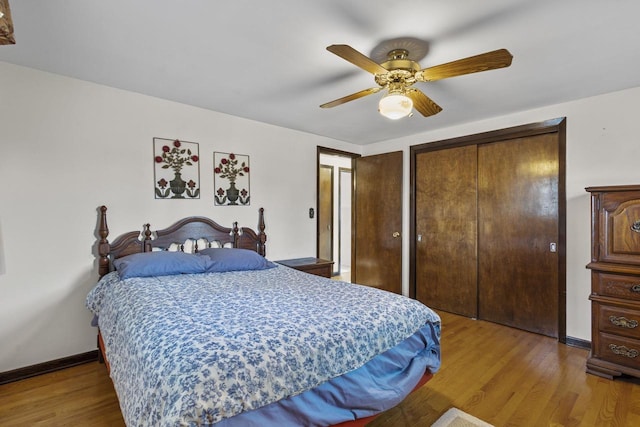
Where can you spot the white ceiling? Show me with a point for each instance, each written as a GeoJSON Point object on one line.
{"type": "Point", "coordinates": [266, 60]}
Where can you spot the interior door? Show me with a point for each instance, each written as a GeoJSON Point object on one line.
{"type": "Point", "coordinates": [446, 252]}
{"type": "Point", "coordinates": [377, 225]}
{"type": "Point", "coordinates": [518, 233]}
{"type": "Point", "coordinates": [325, 213]}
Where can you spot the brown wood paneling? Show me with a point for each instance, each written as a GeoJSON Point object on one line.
{"type": "Point", "coordinates": [518, 223]}
{"type": "Point", "coordinates": [377, 251]}
{"type": "Point", "coordinates": [446, 252]}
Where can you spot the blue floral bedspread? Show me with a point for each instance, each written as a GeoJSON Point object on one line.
{"type": "Point", "coordinates": [194, 349]}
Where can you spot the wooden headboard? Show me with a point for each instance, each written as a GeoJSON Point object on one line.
{"type": "Point", "coordinates": [194, 229]}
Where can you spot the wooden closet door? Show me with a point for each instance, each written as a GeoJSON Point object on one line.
{"type": "Point", "coordinates": [517, 229]}
{"type": "Point", "coordinates": [446, 230]}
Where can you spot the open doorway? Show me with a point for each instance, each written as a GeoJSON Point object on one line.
{"type": "Point", "coordinates": [334, 196]}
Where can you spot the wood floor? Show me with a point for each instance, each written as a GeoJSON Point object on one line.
{"type": "Point", "coordinates": [504, 376]}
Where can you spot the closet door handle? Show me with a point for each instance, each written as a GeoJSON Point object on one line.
{"type": "Point", "coordinates": [396, 234]}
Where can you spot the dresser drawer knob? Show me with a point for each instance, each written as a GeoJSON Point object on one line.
{"type": "Point", "coordinates": [623, 322]}
{"type": "Point", "coordinates": [635, 288]}
{"type": "Point", "coordinates": [636, 226]}
{"type": "Point", "coordinates": [622, 350]}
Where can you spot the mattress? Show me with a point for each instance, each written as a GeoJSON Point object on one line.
{"type": "Point", "coordinates": [267, 347]}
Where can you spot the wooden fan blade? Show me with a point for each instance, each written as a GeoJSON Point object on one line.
{"type": "Point", "coordinates": [351, 97]}
{"type": "Point", "coordinates": [423, 103]}
{"type": "Point", "coordinates": [486, 61]}
{"type": "Point", "coordinates": [356, 58]}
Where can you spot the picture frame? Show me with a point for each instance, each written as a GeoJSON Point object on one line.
{"type": "Point", "coordinates": [176, 169]}
{"type": "Point", "coordinates": [231, 179]}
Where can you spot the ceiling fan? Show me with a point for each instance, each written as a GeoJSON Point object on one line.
{"type": "Point", "coordinates": [399, 73]}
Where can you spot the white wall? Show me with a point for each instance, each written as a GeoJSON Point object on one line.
{"type": "Point", "coordinates": [69, 146]}
{"type": "Point", "coordinates": [602, 149]}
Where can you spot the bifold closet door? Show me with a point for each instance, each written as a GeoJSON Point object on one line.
{"type": "Point", "coordinates": [446, 230]}
{"type": "Point", "coordinates": [518, 233]}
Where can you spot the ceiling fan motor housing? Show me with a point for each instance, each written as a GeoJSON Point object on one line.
{"type": "Point", "coordinates": [401, 69]}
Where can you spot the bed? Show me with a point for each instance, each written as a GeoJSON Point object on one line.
{"type": "Point", "coordinates": [198, 327]}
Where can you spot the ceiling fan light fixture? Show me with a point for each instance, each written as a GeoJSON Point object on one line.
{"type": "Point", "coordinates": [395, 106]}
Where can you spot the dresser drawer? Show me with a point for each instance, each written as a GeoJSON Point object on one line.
{"type": "Point", "coordinates": [618, 321]}
{"type": "Point", "coordinates": [619, 350]}
{"type": "Point", "coordinates": [616, 285]}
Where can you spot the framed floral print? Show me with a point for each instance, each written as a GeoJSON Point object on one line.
{"type": "Point", "coordinates": [231, 179]}
{"type": "Point", "coordinates": [177, 169]}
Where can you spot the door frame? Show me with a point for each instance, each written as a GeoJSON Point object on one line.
{"type": "Point", "coordinates": [332, 151]}
{"type": "Point", "coordinates": [340, 222]}
{"type": "Point", "coordinates": [557, 125]}
{"type": "Point", "coordinates": [321, 207]}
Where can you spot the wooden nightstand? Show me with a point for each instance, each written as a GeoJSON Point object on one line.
{"type": "Point", "coordinates": [317, 266]}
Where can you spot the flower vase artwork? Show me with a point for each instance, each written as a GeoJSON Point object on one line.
{"type": "Point", "coordinates": [177, 175]}
{"type": "Point", "coordinates": [231, 179]}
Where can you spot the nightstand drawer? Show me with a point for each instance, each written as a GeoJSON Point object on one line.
{"type": "Point", "coordinates": [316, 266]}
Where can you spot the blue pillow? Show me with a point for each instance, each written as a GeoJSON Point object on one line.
{"type": "Point", "coordinates": [233, 259]}
{"type": "Point", "coordinates": [160, 263]}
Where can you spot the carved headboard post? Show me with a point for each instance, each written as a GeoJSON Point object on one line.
{"type": "Point", "coordinates": [147, 238]}
{"type": "Point", "coordinates": [236, 234]}
{"type": "Point", "coordinates": [261, 234]}
{"type": "Point", "coordinates": [103, 243]}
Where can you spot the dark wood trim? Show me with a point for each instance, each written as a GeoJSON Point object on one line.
{"type": "Point", "coordinates": [337, 269]}
{"type": "Point", "coordinates": [561, 129]}
{"type": "Point", "coordinates": [46, 367]}
{"type": "Point", "coordinates": [330, 168]}
{"type": "Point", "coordinates": [332, 151]}
{"type": "Point", "coordinates": [579, 343]}
{"type": "Point", "coordinates": [532, 129]}
{"type": "Point", "coordinates": [557, 125]}
{"type": "Point", "coordinates": [412, 222]}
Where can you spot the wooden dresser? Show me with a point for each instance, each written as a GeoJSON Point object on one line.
{"type": "Point", "coordinates": [615, 281]}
